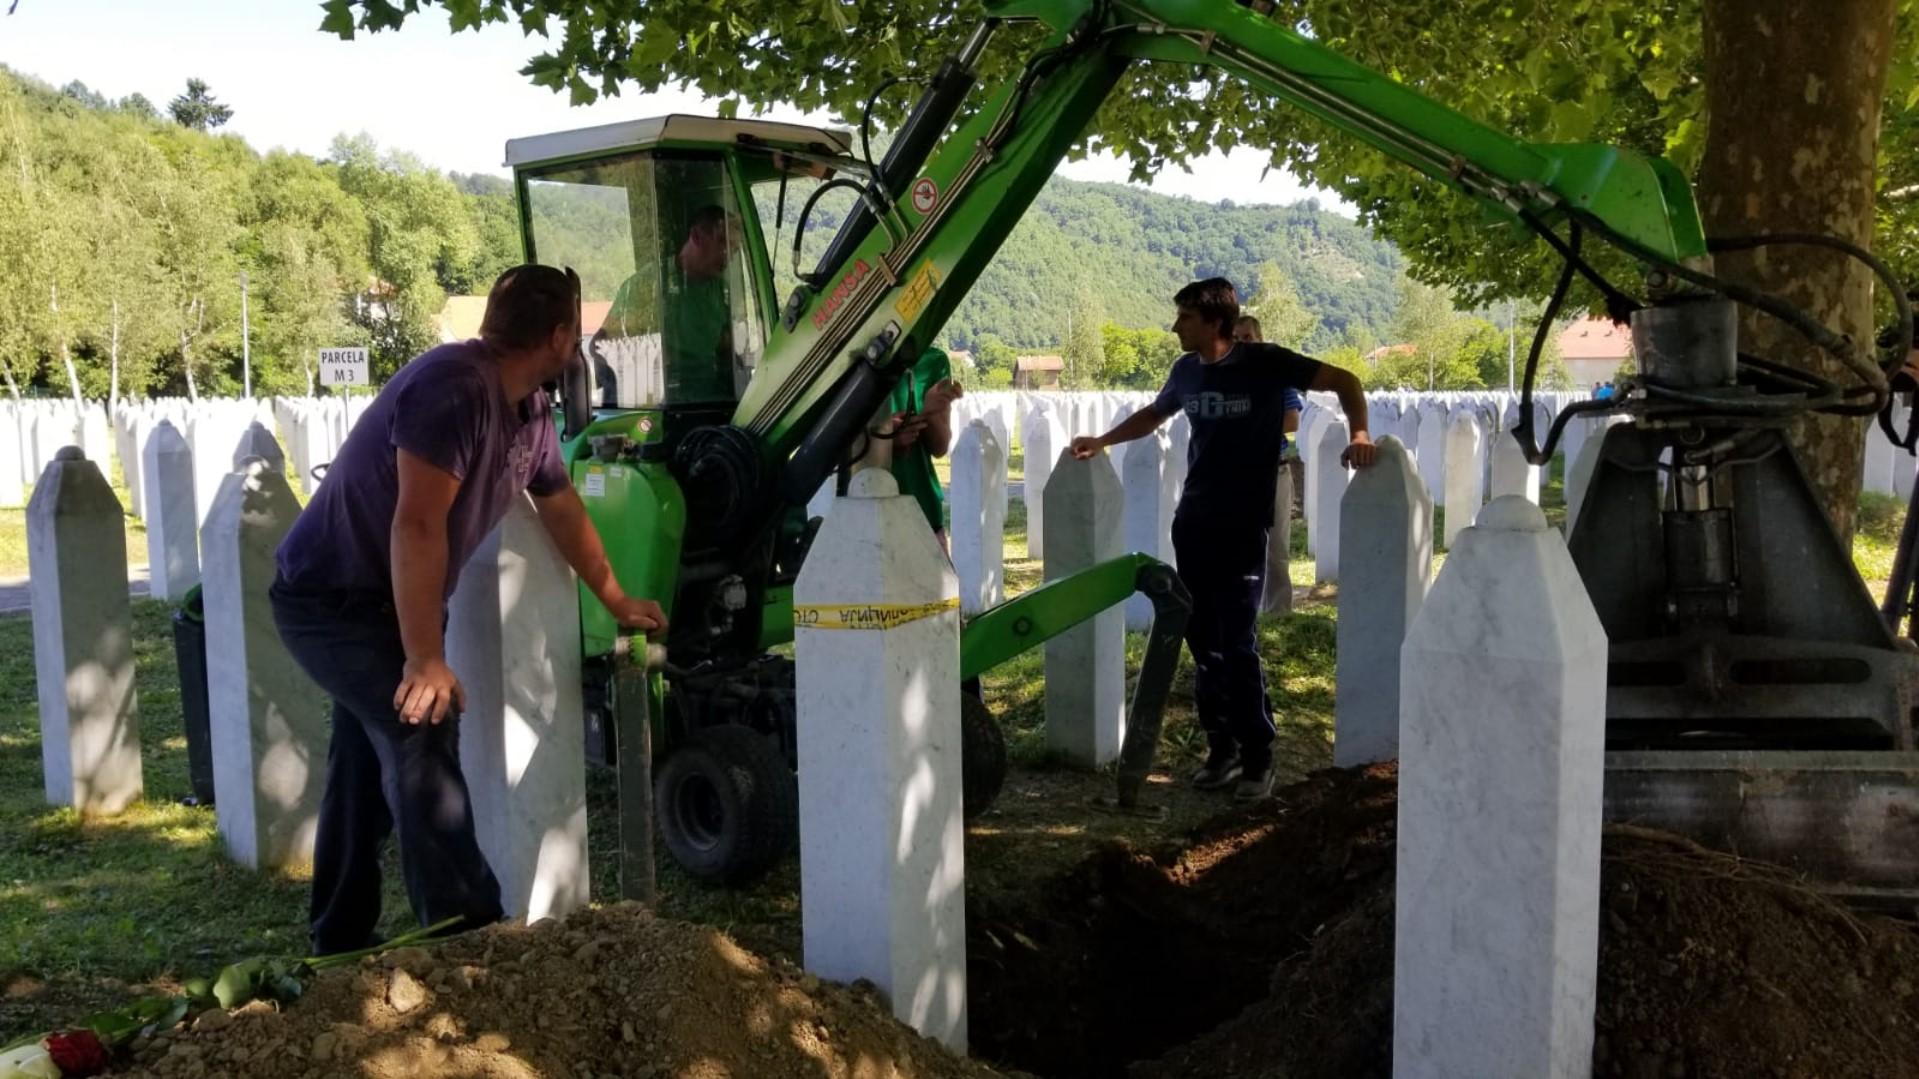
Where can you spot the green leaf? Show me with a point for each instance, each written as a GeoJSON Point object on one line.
{"type": "Point", "coordinates": [1659, 82]}
{"type": "Point", "coordinates": [238, 983]}
{"type": "Point", "coordinates": [1572, 121]}
{"type": "Point", "coordinates": [657, 44]}
{"type": "Point", "coordinates": [836, 16]}
{"type": "Point", "coordinates": [729, 108]}
{"type": "Point", "coordinates": [285, 988]}
{"type": "Point", "coordinates": [122, 1025]}
{"type": "Point", "coordinates": [463, 15]}
{"type": "Point", "coordinates": [339, 18]}
{"type": "Point", "coordinates": [546, 70]}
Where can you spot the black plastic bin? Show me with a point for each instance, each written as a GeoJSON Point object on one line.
{"type": "Point", "coordinates": [190, 655]}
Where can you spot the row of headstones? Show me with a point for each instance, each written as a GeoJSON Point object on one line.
{"type": "Point", "coordinates": [513, 637]}
{"type": "Point", "coordinates": [33, 430]}
{"type": "Point", "coordinates": [1488, 689]}
{"type": "Point", "coordinates": [175, 454]}
{"type": "Point", "coordinates": [1469, 461]}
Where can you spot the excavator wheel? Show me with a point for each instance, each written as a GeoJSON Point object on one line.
{"type": "Point", "coordinates": [727, 804]}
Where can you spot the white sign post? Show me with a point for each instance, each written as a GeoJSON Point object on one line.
{"type": "Point", "coordinates": [343, 367]}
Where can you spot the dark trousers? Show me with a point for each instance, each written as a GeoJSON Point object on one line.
{"type": "Point", "coordinates": [1223, 565]}
{"type": "Point", "coordinates": [381, 774]}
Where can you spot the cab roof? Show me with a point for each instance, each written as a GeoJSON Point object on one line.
{"type": "Point", "coordinates": [641, 134]}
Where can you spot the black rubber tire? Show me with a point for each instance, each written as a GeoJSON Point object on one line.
{"type": "Point", "coordinates": [726, 804]}
{"type": "Point", "coordinates": [982, 756]}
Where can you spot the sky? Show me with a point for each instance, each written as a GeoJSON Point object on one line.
{"type": "Point", "coordinates": [450, 100]}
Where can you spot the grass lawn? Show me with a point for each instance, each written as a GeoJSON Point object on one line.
{"type": "Point", "coordinates": [92, 911]}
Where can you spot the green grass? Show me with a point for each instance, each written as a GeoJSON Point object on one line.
{"type": "Point", "coordinates": [1876, 538]}
{"type": "Point", "coordinates": [143, 897]}
{"type": "Point", "coordinates": [13, 539]}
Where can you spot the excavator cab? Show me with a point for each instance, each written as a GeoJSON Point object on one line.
{"type": "Point", "coordinates": [662, 219]}
{"type": "Point", "coordinates": [657, 216]}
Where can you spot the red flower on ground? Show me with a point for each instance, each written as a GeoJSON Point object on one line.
{"type": "Point", "coordinates": [77, 1052]}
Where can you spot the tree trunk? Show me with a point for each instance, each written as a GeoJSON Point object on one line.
{"type": "Point", "coordinates": [12, 386]}
{"type": "Point", "coordinates": [113, 362]}
{"type": "Point", "coordinates": [1793, 92]}
{"type": "Point", "coordinates": [199, 312]}
{"type": "Point", "coordinates": [66, 350]}
{"type": "Point", "coordinates": [73, 373]}
{"type": "Point", "coordinates": [186, 364]}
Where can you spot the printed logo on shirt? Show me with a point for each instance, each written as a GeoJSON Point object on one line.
{"type": "Point", "coordinates": [1212, 405]}
{"type": "Point", "coordinates": [520, 457]}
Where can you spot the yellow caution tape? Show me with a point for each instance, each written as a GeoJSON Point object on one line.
{"type": "Point", "coordinates": [880, 616]}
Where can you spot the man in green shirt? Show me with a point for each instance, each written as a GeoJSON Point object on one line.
{"type": "Point", "coordinates": [922, 406]}
{"type": "Point", "coordinates": [922, 424]}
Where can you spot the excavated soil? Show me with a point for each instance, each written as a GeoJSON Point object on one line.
{"type": "Point", "coordinates": [1259, 948]}
{"type": "Point", "coordinates": [1264, 950]}
{"type": "Point", "coordinates": [613, 992]}
{"type": "Point", "coordinates": [1134, 954]}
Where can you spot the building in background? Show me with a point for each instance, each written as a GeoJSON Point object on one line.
{"type": "Point", "coordinates": [1594, 349]}
{"type": "Point", "coordinates": [1037, 372]}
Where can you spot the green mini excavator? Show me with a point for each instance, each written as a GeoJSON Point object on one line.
{"type": "Point", "coordinates": [1756, 698]}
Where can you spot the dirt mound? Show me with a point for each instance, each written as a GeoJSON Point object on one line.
{"type": "Point", "coordinates": [1135, 953]}
{"type": "Point", "coordinates": [613, 992]}
{"type": "Point", "coordinates": [1265, 950]}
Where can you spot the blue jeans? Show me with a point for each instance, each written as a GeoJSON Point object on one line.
{"type": "Point", "coordinates": [381, 773]}
{"type": "Point", "coordinates": [1223, 564]}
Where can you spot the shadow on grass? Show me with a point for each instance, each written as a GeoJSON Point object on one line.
{"type": "Point", "coordinates": [94, 910]}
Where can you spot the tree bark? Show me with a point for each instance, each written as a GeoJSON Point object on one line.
{"type": "Point", "coordinates": [195, 309]}
{"type": "Point", "coordinates": [66, 350]}
{"type": "Point", "coordinates": [113, 362]}
{"type": "Point", "coordinates": [1793, 92]}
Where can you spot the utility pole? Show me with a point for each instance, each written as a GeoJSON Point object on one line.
{"type": "Point", "coordinates": [246, 351]}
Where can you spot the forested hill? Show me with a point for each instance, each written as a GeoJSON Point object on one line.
{"type": "Point", "coordinates": [1132, 249]}
{"type": "Point", "coordinates": [139, 244]}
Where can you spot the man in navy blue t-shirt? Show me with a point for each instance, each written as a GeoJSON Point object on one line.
{"type": "Point", "coordinates": [1234, 397]}
{"type": "Point", "coordinates": [451, 442]}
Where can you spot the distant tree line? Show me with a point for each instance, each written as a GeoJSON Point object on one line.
{"type": "Point", "coordinates": [127, 233]}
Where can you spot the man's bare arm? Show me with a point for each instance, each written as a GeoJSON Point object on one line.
{"type": "Point", "coordinates": [428, 688]}
{"type": "Point", "coordinates": [1138, 425]}
{"type": "Point", "coordinates": [1352, 401]}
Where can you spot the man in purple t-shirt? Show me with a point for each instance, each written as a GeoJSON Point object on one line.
{"type": "Point", "coordinates": [360, 599]}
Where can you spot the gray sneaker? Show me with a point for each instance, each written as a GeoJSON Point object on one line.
{"type": "Point", "coordinates": [1216, 775]}
{"type": "Point", "coordinates": [1254, 788]}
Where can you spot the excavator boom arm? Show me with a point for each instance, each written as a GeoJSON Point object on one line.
{"type": "Point", "coordinates": [843, 345]}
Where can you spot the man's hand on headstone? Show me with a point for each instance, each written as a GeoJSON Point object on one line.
{"type": "Point", "coordinates": [1360, 452]}
{"type": "Point", "coordinates": [1086, 447]}
{"type": "Point", "coordinates": [429, 690]}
